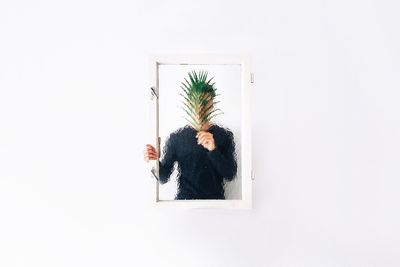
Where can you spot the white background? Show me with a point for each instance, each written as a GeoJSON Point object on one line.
{"type": "Point", "coordinates": [73, 95]}
{"type": "Point", "coordinates": [227, 79]}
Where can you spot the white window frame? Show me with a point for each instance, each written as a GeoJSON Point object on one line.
{"type": "Point", "coordinates": [246, 159]}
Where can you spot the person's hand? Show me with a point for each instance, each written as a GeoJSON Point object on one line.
{"type": "Point", "coordinates": [206, 139]}
{"type": "Point", "coordinates": [150, 153]}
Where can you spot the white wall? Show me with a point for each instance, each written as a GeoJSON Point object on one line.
{"type": "Point", "coordinates": [73, 90]}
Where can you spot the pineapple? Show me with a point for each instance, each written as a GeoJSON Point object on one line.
{"type": "Point", "coordinates": [199, 99]}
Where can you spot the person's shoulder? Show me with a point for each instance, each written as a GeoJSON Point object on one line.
{"type": "Point", "coordinates": [221, 128]}
{"type": "Point", "coordinates": [223, 132]}
{"type": "Point", "coordinates": [180, 131]}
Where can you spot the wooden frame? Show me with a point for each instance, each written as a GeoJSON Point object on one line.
{"type": "Point", "coordinates": [246, 161]}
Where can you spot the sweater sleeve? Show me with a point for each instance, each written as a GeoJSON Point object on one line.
{"type": "Point", "coordinates": [223, 158]}
{"type": "Point", "coordinates": [168, 160]}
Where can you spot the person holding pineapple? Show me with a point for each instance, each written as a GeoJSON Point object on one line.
{"type": "Point", "coordinates": [205, 152]}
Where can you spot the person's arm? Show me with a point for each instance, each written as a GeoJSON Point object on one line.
{"type": "Point", "coordinates": [167, 163]}
{"type": "Point", "coordinates": [223, 158]}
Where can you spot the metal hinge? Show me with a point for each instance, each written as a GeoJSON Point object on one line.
{"type": "Point", "coordinates": [253, 175]}
{"type": "Point", "coordinates": [153, 93]}
{"type": "Point", "coordinates": [153, 172]}
{"type": "Point", "coordinates": [252, 77]}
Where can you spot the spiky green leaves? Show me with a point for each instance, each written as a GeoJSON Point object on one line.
{"type": "Point", "coordinates": [199, 99]}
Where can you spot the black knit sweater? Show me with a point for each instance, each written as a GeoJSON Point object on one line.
{"type": "Point", "coordinates": [201, 172]}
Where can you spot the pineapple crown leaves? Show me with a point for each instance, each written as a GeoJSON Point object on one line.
{"type": "Point", "coordinates": [199, 99]}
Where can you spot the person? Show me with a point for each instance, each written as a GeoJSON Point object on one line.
{"type": "Point", "coordinates": [205, 160]}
